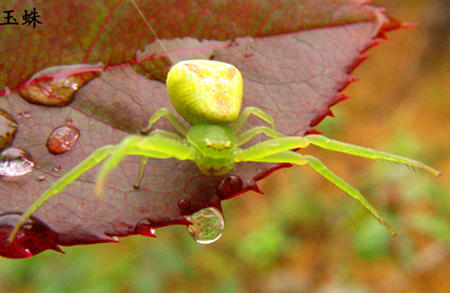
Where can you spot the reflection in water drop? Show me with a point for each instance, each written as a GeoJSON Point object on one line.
{"type": "Point", "coordinates": [32, 238]}
{"type": "Point", "coordinates": [57, 168]}
{"type": "Point", "coordinates": [8, 129]}
{"type": "Point", "coordinates": [15, 162]}
{"type": "Point", "coordinates": [207, 225]}
{"type": "Point", "coordinates": [56, 86]}
{"type": "Point", "coordinates": [41, 178]}
{"type": "Point", "coordinates": [145, 227]}
{"type": "Point", "coordinates": [62, 139]}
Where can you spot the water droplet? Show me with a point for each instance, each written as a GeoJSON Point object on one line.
{"type": "Point", "coordinates": [62, 139]}
{"type": "Point", "coordinates": [41, 178]}
{"type": "Point", "coordinates": [57, 168]}
{"type": "Point", "coordinates": [145, 227]}
{"type": "Point", "coordinates": [248, 51]}
{"type": "Point", "coordinates": [8, 129]}
{"type": "Point", "coordinates": [229, 187]}
{"type": "Point", "coordinates": [69, 121]}
{"type": "Point", "coordinates": [26, 114]}
{"type": "Point", "coordinates": [32, 238]}
{"type": "Point", "coordinates": [207, 225]}
{"type": "Point", "coordinates": [15, 162]}
{"type": "Point", "coordinates": [184, 203]}
{"type": "Point", "coordinates": [115, 238]}
{"type": "Point", "coordinates": [56, 86]}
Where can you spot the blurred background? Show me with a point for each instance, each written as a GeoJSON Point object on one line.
{"type": "Point", "coordinates": [304, 234]}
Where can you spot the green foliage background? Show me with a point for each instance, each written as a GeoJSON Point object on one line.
{"type": "Point", "coordinates": [305, 235]}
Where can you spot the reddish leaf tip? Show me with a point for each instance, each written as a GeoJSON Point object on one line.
{"type": "Point", "coordinates": [255, 188]}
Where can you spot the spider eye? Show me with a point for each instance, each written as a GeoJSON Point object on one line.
{"type": "Point", "coordinates": [218, 145]}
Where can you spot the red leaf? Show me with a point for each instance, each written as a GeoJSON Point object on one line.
{"type": "Point", "coordinates": [295, 57]}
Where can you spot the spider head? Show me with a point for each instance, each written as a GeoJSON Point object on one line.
{"type": "Point", "coordinates": [215, 147]}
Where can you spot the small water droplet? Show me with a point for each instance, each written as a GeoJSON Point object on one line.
{"type": "Point", "coordinates": [62, 139]}
{"type": "Point", "coordinates": [69, 121]}
{"type": "Point", "coordinates": [41, 178]}
{"type": "Point", "coordinates": [248, 51]}
{"type": "Point", "coordinates": [56, 86]}
{"type": "Point", "coordinates": [8, 129]}
{"type": "Point", "coordinates": [229, 187]}
{"type": "Point", "coordinates": [32, 238]}
{"type": "Point", "coordinates": [184, 203]}
{"type": "Point", "coordinates": [207, 225]}
{"type": "Point", "coordinates": [57, 168]}
{"type": "Point", "coordinates": [26, 114]}
{"type": "Point", "coordinates": [15, 162]}
{"type": "Point", "coordinates": [115, 238]}
{"type": "Point", "coordinates": [145, 227]}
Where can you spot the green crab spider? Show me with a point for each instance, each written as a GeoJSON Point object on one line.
{"type": "Point", "coordinates": [208, 95]}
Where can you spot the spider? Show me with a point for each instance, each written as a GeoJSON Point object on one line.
{"type": "Point", "coordinates": [208, 95]}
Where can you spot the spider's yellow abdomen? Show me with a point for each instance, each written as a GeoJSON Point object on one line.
{"type": "Point", "coordinates": [205, 91]}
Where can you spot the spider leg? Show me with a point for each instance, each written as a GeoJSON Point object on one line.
{"type": "Point", "coordinates": [170, 117]}
{"type": "Point", "coordinates": [237, 125]}
{"type": "Point", "coordinates": [270, 147]}
{"type": "Point", "coordinates": [326, 143]}
{"type": "Point", "coordinates": [148, 146]}
{"type": "Point", "coordinates": [316, 164]}
{"type": "Point", "coordinates": [277, 145]}
{"type": "Point", "coordinates": [249, 134]}
{"type": "Point", "coordinates": [96, 157]}
{"type": "Point", "coordinates": [157, 147]}
{"type": "Point", "coordinates": [161, 133]}
{"type": "Point", "coordinates": [144, 159]}
{"type": "Point", "coordinates": [166, 134]}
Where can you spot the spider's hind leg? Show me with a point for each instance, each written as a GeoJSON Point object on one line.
{"type": "Point", "coordinates": [237, 125]}
{"type": "Point", "coordinates": [173, 120]}
{"type": "Point", "coordinates": [249, 134]}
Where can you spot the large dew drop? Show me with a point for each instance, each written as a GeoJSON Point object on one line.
{"type": "Point", "coordinates": [207, 225]}
{"type": "Point", "coordinates": [8, 129]}
{"type": "Point", "coordinates": [62, 139]}
{"type": "Point", "coordinates": [56, 86]}
{"type": "Point", "coordinates": [15, 162]}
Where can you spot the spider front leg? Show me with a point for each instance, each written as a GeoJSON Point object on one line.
{"type": "Point", "coordinates": [151, 146]}
{"type": "Point", "coordinates": [96, 157]}
{"type": "Point", "coordinates": [277, 151]}
{"type": "Point", "coordinates": [337, 146]}
{"type": "Point", "coordinates": [156, 147]}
